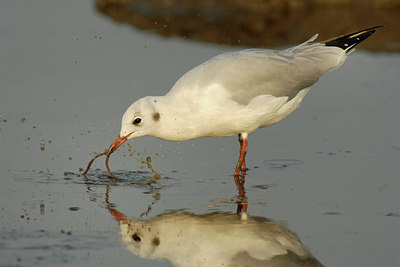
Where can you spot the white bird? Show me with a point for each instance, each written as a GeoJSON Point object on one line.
{"type": "Point", "coordinates": [236, 93]}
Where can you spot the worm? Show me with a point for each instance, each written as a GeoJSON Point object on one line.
{"type": "Point", "coordinates": [108, 168]}
{"type": "Point", "coordinates": [108, 153]}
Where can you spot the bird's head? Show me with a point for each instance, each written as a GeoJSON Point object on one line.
{"type": "Point", "coordinates": [140, 119]}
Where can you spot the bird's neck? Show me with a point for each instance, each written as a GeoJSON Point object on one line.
{"type": "Point", "coordinates": [175, 120]}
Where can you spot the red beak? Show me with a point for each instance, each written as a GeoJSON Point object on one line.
{"type": "Point", "coordinates": [118, 142]}
{"type": "Point", "coordinates": [118, 216]}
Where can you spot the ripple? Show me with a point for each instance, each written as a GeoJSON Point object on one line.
{"type": "Point", "coordinates": [142, 179]}
{"type": "Point", "coordinates": [35, 176]}
{"type": "Point", "coordinates": [282, 163]}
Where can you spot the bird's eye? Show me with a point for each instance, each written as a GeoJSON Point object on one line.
{"type": "Point", "coordinates": [136, 238]}
{"type": "Point", "coordinates": [136, 121]}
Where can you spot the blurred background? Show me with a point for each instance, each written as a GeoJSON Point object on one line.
{"type": "Point", "coordinates": [259, 23]}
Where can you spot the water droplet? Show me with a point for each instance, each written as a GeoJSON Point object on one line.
{"type": "Point", "coordinates": [42, 147]}
{"type": "Point", "coordinates": [41, 208]}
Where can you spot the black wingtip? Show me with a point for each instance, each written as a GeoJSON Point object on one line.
{"type": "Point", "coordinates": [348, 41]}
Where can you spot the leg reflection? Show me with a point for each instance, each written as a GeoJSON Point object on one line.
{"type": "Point", "coordinates": [242, 199]}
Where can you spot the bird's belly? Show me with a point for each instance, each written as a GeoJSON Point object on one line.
{"type": "Point", "coordinates": [277, 114]}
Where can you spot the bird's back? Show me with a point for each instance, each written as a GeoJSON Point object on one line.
{"type": "Point", "coordinates": [247, 74]}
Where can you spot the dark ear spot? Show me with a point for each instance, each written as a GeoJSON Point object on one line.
{"type": "Point", "coordinates": [156, 116]}
{"type": "Point", "coordinates": [156, 241]}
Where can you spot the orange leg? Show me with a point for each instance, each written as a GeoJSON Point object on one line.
{"type": "Point", "coordinates": [241, 164]}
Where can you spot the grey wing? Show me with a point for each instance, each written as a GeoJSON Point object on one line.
{"type": "Point", "coordinates": [250, 73]}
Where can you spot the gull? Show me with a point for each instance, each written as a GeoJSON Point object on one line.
{"type": "Point", "coordinates": [236, 93]}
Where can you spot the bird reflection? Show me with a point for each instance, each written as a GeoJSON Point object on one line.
{"type": "Point", "coordinates": [214, 239]}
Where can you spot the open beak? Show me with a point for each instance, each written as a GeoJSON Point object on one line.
{"type": "Point", "coordinates": [118, 142]}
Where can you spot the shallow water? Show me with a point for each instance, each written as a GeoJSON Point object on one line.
{"type": "Point", "coordinates": [328, 173]}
